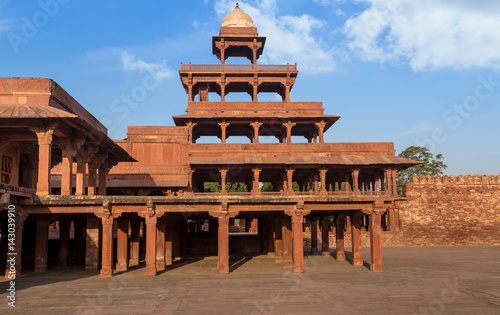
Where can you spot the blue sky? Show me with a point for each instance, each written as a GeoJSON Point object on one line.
{"type": "Point", "coordinates": [412, 72]}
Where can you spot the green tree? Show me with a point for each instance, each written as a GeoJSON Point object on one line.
{"type": "Point", "coordinates": [431, 165]}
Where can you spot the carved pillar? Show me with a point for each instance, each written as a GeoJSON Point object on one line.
{"type": "Point", "coordinates": [64, 227]}
{"type": "Point", "coordinates": [376, 240]}
{"type": "Point", "coordinates": [81, 170]}
{"type": "Point", "coordinates": [339, 231]}
{"type": "Point", "coordinates": [298, 243]}
{"type": "Point", "coordinates": [223, 126]}
{"type": "Point", "coordinates": [150, 246]}
{"type": "Point", "coordinates": [190, 126]}
{"type": "Point", "coordinates": [92, 179]}
{"type": "Point", "coordinates": [314, 235]}
{"type": "Point", "coordinates": [357, 259]}
{"type": "Point", "coordinates": [255, 125]}
{"type": "Point", "coordinates": [122, 245]}
{"type": "Point", "coordinates": [255, 93]}
{"type": "Point", "coordinates": [289, 177]}
{"type": "Point", "coordinates": [42, 244]}
{"type": "Point", "coordinates": [44, 136]}
{"type": "Point", "coordinates": [288, 125]}
{"type": "Point", "coordinates": [278, 240]}
{"type": "Point", "coordinates": [223, 174]}
{"type": "Point", "coordinates": [135, 237]}
{"type": "Point", "coordinates": [255, 181]}
{"type": "Point", "coordinates": [388, 181]}
{"type": "Point", "coordinates": [103, 176]}
{"type": "Point", "coordinates": [322, 175]}
{"type": "Point", "coordinates": [287, 93]}
{"type": "Point", "coordinates": [321, 129]}
{"type": "Point", "coordinates": [325, 239]}
{"type": "Point", "coordinates": [287, 242]}
{"type": "Point", "coordinates": [169, 237]}
{"type": "Point", "coordinates": [160, 244]}
{"type": "Point", "coordinates": [223, 245]}
{"type": "Point", "coordinates": [107, 247]}
{"type": "Point", "coordinates": [14, 260]}
{"type": "Point", "coordinates": [394, 172]}
{"type": "Point", "coordinates": [355, 183]}
{"type": "Point", "coordinates": [69, 148]}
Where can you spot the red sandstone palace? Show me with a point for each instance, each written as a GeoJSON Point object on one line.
{"type": "Point", "coordinates": [60, 169]}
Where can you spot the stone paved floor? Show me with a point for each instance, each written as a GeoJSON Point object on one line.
{"type": "Point", "coordinates": [431, 280]}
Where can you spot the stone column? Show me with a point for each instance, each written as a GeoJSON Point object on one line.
{"type": "Point", "coordinates": [151, 246]}
{"type": "Point", "coordinates": [298, 243]}
{"type": "Point", "coordinates": [190, 126]}
{"type": "Point", "coordinates": [223, 126]}
{"type": "Point", "coordinates": [355, 183]}
{"type": "Point", "coordinates": [289, 177]}
{"type": "Point", "coordinates": [223, 174]}
{"type": "Point", "coordinates": [223, 245]}
{"type": "Point", "coordinates": [394, 182]}
{"type": "Point", "coordinates": [135, 237]}
{"type": "Point", "coordinates": [255, 93]}
{"type": "Point", "coordinates": [103, 174]}
{"type": "Point", "coordinates": [160, 244]}
{"type": "Point", "coordinates": [287, 242]}
{"type": "Point", "coordinates": [64, 229]}
{"type": "Point", "coordinates": [68, 155]}
{"type": "Point", "coordinates": [388, 181]}
{"type": "Point", "coordinates": [321, 128]}
{"type": "Point", "coordinates": [81, 170]}
{"type": "Point", "coordinates": [288, 125]}
{"type": "Point", "coordinates": [255, 181]}
{"type": "Point", "coordinates": [339, 231]}
{"type": "Point", "coordinates": [122, 245]}
{"type": "Point", "coordinates": [325, 239]}
{"type": "Point", "coordinates": [376, 242]}
{"type": "Point", "coordinates": [14, 269]}
{"type": "Point", "coordinates": [287, 93]}
{"type": "Point", "coordinates": [255, 125]}
{"type": "Point", "coordinates": [92, 179]}
{"type": "Point", "coordinates": [169, 237]}
{"type": "Point", "coordinates": [357, 258]}
{"type": "Point", "coordinates": [322, 175]}
{"type": "Point", "coordinates": [278, 240]}
{"type": "Point", "coordinates": [92, 243]}
{"type": "Point", "coordinates": [42, 244]}
{"type": "Point", "coordinates": [314, 235]}
{"type": "Point", "coordinates": [44, 136]}
{"type": "Point", "coordinates": [107, 247]}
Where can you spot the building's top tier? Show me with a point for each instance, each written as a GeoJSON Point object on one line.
{"type": "Point", "coordinates": [238, 37]}
{"type": "Point", "coordinates": [238, 23]}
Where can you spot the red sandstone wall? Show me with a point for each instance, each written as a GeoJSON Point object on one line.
{"type": "Point", "coordinates": [451, 210]}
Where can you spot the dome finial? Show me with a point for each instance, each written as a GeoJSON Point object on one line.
{"type": "Point", "coordinates": [237, 5]}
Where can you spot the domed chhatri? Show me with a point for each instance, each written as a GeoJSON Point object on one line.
{"type": "Point", "coordinates": [237, 18]}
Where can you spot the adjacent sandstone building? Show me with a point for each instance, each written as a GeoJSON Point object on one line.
{"type": "Point", "coordinates": [59, 165]}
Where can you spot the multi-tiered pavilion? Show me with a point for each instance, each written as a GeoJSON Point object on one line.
{"type": "Point", "coordinates": [162, 193]}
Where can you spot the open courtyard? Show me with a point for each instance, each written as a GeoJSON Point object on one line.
{"type": "Point", "coordinates": [417, 280]}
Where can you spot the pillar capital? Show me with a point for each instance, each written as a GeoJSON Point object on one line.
{"type": "Point", "coordinates": [44, 133]}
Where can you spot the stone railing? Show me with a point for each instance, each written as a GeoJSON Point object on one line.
{"type": "Point", "coordinates": [286, 67]}
{"type": "Point", "coordinates": [455, 179]}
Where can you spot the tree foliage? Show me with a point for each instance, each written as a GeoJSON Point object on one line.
{"type": "Point", "coordinates": [432, 165]}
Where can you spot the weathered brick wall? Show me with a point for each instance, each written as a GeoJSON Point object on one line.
{"type": "Point", "coordinates": [451, 210]}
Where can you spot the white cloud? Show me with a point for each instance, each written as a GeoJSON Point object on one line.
{"type": "Point", "coordinates": [159, 71]}
{"type": "Point", "coordinates": [428, 34]}
{"type": "Point", "coordinates": [290, 38]}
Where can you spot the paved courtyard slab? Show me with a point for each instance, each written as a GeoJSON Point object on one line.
{"type": "Point", "coordinates": [416, 280]}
